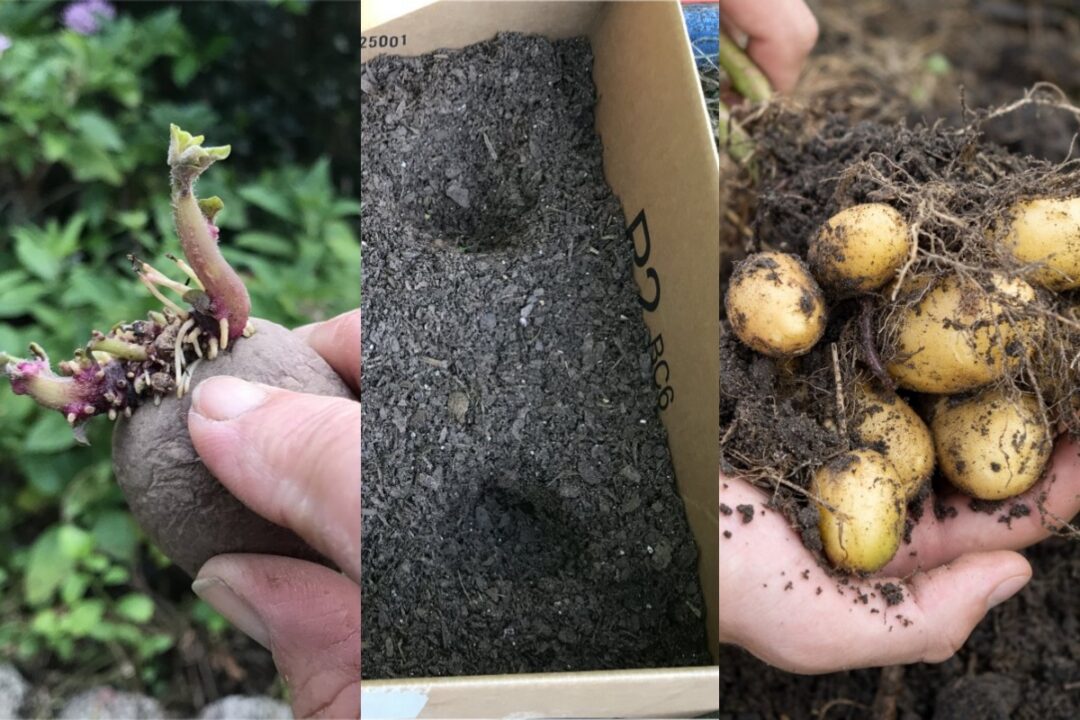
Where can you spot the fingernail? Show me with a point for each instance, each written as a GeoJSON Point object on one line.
{"type": "Point", "coordinates": [226, 398]}
{"type": "Point", "coordinates": [1006, 590]}
{"type": "Point", "coordinates": [221, 597]}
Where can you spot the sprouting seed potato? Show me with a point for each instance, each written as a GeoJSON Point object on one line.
{"type": "Point", "coordinates": [1045, 233]}
{"type": "Point", "coordinates": [861, 510]}
{"type": "Point", "coordinates": [957, 336]}
{"type": "Point", "coordinates": [993, 445]}
{"type": "Point", "coordinates": [774, 305]}
{"type": "Point", "coordinates": [884, 422]}
{"type": "Point", "coordinates": [860, 249]}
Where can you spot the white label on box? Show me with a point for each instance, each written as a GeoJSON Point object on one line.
{"type": "Point", "coordinates": [386, 704]}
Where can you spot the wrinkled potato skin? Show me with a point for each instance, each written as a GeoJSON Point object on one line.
{"type": "Point", "coordinates": [775, 306]}
{"type": "Point", "coordinates": [956, 338]}
{"type": "Point", "coordinates": [180, 505]}
{"type": "Point", "coordinates": [884, 422]}
{"type": "Point", "coordinates": [1048, 232]}
{"type": "Point", "coordinates": [860, 249]}
{"type": "Point", "coordinates": [991, 446]}
{"type": "Point", "coordinates": [865, 530]}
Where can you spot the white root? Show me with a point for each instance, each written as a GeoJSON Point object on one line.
{"type": "Point", "coordinates": [187, 270]}
{"type": "Point", "coordinates": [112, 414]}
{"type": "Point", "coordinates": [249, 329]}
{"type": "Point", "coordinates": [193, 340]}
{"type": "Point", "coordinates": [224, 325]}
{"type": "Point", "coordinates": [212, 352]}
{"type": "Point", "coordinates": [179, 353]}
{"type": "Point", "coordinates": [189, 375]}
{"type": "Point", "coordinates": [180, 312]}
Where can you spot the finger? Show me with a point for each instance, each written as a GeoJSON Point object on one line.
{"type": "Point", "coordinates": [338, 341]}
{"type": "Point", "coordinates": [781, 605]}
{"type": "Point", "coordinates": [307, 615]}
{"type": "Point", "coordinates": [1052, 502]}
{"type": "Point", "coordinates": [782, 33]}
{"type": "Point", "coordinates": [290, 457]}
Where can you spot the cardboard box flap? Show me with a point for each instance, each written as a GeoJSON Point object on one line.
{"type": "Point", "coordinates": [678, 692]}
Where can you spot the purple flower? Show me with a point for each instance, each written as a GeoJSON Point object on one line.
{"type": "Point", "coordinates": [85, 16]}
{"type": "Point", "coordinates": [5, 43]}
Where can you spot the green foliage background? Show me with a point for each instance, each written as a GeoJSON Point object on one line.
{"type": "Point", "coordinates": [83, 182]}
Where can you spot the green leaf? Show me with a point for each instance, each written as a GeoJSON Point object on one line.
{"type": "Point", "coordinates": [347, 208]}
{"type": "Point", "coordinates": [132, 219]}
{"type": "Point", "coordinates": [115, 534]}
{"type": "Point", "coordinates": [155, 645]}
{"type": "Point", "coordinates": [74, 542]}
{"type": "Point", "coordinates": [115, 575]}
{"type": "Point", "coordinates": [94, 163]}
{"type": "Point", "coordinates": [55, 146]}
{"type": "Point", "coordinates": [17, 302]}
{"type": "Point", "coordinates": [35, 257]}
{"type": "Point", "coordinates": [185, 69]}
{"type": "Point", "coordinates": [97, 562]}
{"type": "Point", "coordinates": [49, 434]}
{"type": "Point", "coordinates": [83, 618]}
{"type": "Point", "coordinates": [269, 200]}
{"type": "Point", "coordinates": [46, 568]}
{"type": "Point", "coordinates": [97, 130]}
{"type": "Point", "coordinates": [74, 587]}
{"type": "Point", "coordinates": [49, 474]}
{"type": "Point", "coordinates": [265, 243]}
{"type": "Point", "coordinates": [46, 623]}
{"type": "Point", "coordinates": [136, 607]}
{"type": "Point", "coordinates": [344, 245]}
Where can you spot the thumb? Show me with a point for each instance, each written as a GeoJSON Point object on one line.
{"type": "Point", "coordinates": [307, 615]}
{"type": "Point", "coordinates": [291, 457]}
{"type": "Point", "coordinates": [953, 598]}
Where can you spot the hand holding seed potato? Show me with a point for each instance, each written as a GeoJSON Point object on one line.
{"type": "Point", "coordinates": [295, 459]}
{"type": "Point", "coordinates": [951, 574]}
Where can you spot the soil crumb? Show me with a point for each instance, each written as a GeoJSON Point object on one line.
{"type": "Point", "coordinates": [519, 507]}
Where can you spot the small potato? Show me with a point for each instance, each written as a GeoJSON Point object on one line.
{"type": "Point", "coordinates": [993, 445]}
{"type": "Point", "coordinates": [957, 337]}
{"type": "Point", "coordinates": [860, 249]}
{"type": "Point", "coordinates": [1047, 233]}
{"type": "Point", "coordinates": [774, 305]}
{"type": "Point", "coordinates": [862, 530]}
{"type": "Point", "coordinates": [884, 422]}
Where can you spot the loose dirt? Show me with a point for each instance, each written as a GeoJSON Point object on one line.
{"type": "Point", "coordinates": [519, 509]}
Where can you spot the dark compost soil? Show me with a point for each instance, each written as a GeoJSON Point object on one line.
{"type": "Point", "coordinates": [519, 510]}
{"type": "Point", "coordinates": [1023, 660]}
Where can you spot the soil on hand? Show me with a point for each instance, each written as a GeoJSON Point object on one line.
{"type": "Point", "coordinates": [520, 513]}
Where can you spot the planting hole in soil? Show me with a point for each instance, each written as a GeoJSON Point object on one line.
{"type": "Point", "coordinates": [519, 509]}
{"type": "Point", "coordinates": [954, 362]}
{"type": "Point", "coordinates": [141, 374]}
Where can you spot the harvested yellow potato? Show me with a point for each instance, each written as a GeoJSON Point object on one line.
{"type": "Point", "coordinates": [993, 445]}
{"type": "Point", "coordinates": [774, 305]}
{"type": "Point", "coordinates": [861, 510]}
{"type": "Point", "coordinates": [884, 422]}
{"type": "Point", "coordinates": [957, 337]}
{"type": "Point", "coordinates": [1046, 234]}
{"type": "Point", "coordinates": [860, 249]}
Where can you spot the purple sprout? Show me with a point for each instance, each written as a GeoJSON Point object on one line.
{"type": "Point", "coordinates": [147, 359]}
{"type": "Point", "coordinates": [85, 16]}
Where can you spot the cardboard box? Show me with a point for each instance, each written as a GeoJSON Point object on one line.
{"type": "Point", "coordinates": [661, 161]}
